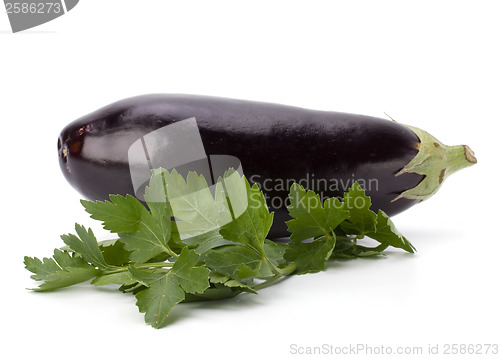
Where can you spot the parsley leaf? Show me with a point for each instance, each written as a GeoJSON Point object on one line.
{"type": "Point", "coordinates": [166, 288]}
{"type": "Point", "coordinates": [310, 257]}
{"type": "Point", "coordinates": [334, 228]}
{"type": "Point", "coordinates": [361, 219]}
{"type": "Point", "coordinates": [252, 226]}
{"type": "Point", "coordinates": [117, 278]}
{"type": "Point", "coordinates": [119, 214]}
{"type": "Point", "coordinates": [229, 282]}
{"type": "Point", "coordinates": [114, 253]}
{"type": "Point", "coordinates": [85, 245]}
{"type": "Point", "coordinates": [61, 270]}
{"type": "Point", "coordinates": [311, 217]}
{"type": "Point", "coordinates": [193, 205]}
{"type": "Point", "coordinates": [386, 233]}
{"type": "Point", "coordinates": [315, 220]}
{"type": "Point", "coordinates": [246, 256]}
{"type": "Point", "coordinates": [144, 233]}
{"type": "Point", "coordinates": [238, 261]}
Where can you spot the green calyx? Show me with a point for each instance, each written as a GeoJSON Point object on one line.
{"type": "Point", "coordinates": [436, 162]}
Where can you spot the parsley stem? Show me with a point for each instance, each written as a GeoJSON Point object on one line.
{"type": "Point", "coordinates": [155, 264]}
{"type": "Point", "coordinates": [281, 273]}
{"type": "Point", "coordinates": [169, 251]}
{"type": "Point", "coordinates": [288, 270]}
{"type": "Point", "coordinates": [139, 266]}
{"type": "Point", "coordinates": [267, 283]}
{"type": "Point", "coordinates": [285, 271]}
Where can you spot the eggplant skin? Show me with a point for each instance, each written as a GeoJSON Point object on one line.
{"type": "Point", "coordinates": [276, 144]}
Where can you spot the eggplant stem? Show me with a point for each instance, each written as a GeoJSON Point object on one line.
{"type": "Point", "coordinates": [436, 162]}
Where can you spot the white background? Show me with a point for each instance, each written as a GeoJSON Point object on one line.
{"type": "Point", "coordinates": [431, 64]}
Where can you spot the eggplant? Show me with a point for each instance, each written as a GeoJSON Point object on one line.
{"type": "Point", "coordinates": [274, 145]}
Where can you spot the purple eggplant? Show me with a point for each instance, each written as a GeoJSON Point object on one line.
{"type": "Point", "coordinates": [276, 145]}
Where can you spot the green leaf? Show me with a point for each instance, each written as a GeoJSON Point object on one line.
{"type": "Point", "coordinates": [275, 252]}
{"type": "Point", "coordinates": [238, 262]}
{"type": "Point", "coordinates": [149, 241]}
{"type": "Point", "coordinates": [157, 200]}
{"type": "Point", "coordinates": [192, 280]}
{"type": "Point", "coordinates": [144, 233]}
{"type": "Point", "coordinates": [204, 242]}
{"type": "Point", "coordinates": [311, 217]}
{"type": "Point", "coordinates": [133, 288]}
{"type": "Point", "coordinates": [120, 214]}
{"type": "Point", "coordinates": [386, 233]}
{"type": "Point", "coordinates": [157, 300]}
{"type": "Point", "coordinates": [118, 278]}
{"type": "Point", "coordinates": [216, 277]}
{"type": "Point", "coordinates": [236, 191]}
{"type": "Point", "coordinates": [227, 281]}
{"type": "Point", "coordinates": [252, 226]}
{"type": "Point", "coordinates": [61, 270]}
{"type": "Point", "coordinates": [310, 257]}
{"type": "Point", "coordinates": [115, 253]}
{"type": "Point", "coordinates": [245, 256]}
{"type": "Point", "coordinates": [361, 219]}
{"type": "Point", "coordinates": [193, 205]}
{"type": "Point", "coordinates": [166, 288]}
{"type": "Point", "coordinates": [217, 292]}
{"type": "Point", "coordinates": [347, 247]}
{"type": "Point", "coordinates": [316, 220]}
{"type": "Point", "coordinates": [68, 277]}
{"type": "Point", "coordinates": [86, 245]}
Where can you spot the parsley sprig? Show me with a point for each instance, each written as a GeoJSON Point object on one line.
{"type": "Point", "coordinates": [191, 242]}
